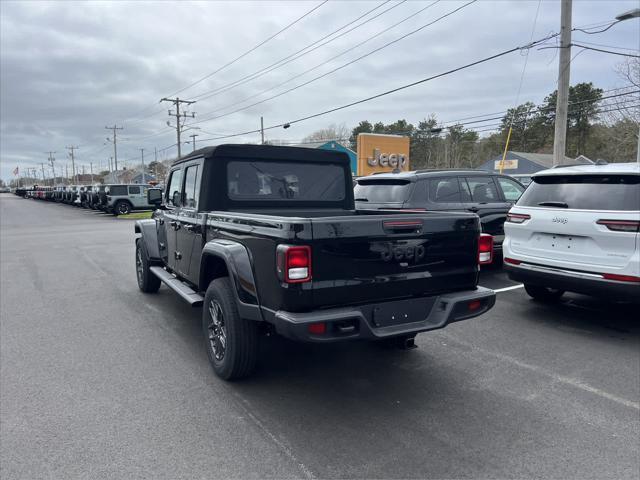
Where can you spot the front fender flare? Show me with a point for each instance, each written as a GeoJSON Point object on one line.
{"type": "Point", "coordinates": [149, 235]}
{"type": "Point", "coordinates": [239, 265]}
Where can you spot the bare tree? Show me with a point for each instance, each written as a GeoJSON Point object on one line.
{"type": "Point", "coordinates": [338, 132]}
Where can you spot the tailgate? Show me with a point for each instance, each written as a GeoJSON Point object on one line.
{"type": "Point", "coordinates": [574, 236]}
{"type": "Point", "coordinates": [372, 257]}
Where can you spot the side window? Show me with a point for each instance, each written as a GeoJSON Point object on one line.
{"type": "Point", "coordinates": [134, 190]}
{"type": "Point", "coordinates": [483, 190]}
{"type": "Point", "coordinates": [444, 190]}
{"type": "Point", "coordinates": [510, 189]}
{"type": "Point", "coordinates": [191, 187]}
{"type": "Point", "coordinates": [465, 193]}
{"type": "Point", "coordinates": [173, 189]}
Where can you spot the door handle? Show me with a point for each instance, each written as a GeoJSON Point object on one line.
{"type": "Point", "coordinates": [175, 225]}
{"type": "Point", "coordinates": [473, 209]}
{"type": "Point", "coordinates": [192, 228]}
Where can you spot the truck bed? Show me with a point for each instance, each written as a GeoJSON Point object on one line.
{"type": "Point", "coordinates": [357, 256]}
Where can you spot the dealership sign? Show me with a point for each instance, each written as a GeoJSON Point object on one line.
{"type": "Point", "coordinates": [507, 164]}
{"type": "Point", "coordinates": [382, 153]}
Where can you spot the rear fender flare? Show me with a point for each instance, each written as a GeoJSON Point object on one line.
{"type": "Point", "coordinates": [149, 235]}
{"type": "Point", "coordinates": [236, 258]}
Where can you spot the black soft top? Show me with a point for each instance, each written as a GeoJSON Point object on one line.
{"type": "Point", "coordinates": [268, 152]}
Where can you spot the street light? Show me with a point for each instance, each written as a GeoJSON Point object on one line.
{"type": "Point", "coordinates": [635, 13]}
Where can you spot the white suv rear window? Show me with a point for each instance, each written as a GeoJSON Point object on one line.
{"type": "Point", "coordinates": [584, 192]}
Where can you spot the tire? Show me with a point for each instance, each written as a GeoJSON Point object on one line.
{"type": "Point", "coordinates": [543, 293]}
{"type": "Point", "coordinates": [147, 281]}
{"type": "Point", "coordinates": [231, 341]}
{"type": "Point", "coordinates": [122, 208]}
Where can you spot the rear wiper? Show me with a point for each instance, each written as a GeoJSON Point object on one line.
{"type": "Point", "coordinates": [553, 204]}
{"type": "Point", "coordinates": [362, 199]}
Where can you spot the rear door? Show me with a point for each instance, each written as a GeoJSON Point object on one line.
{"type": "Point", "coordinates": [443, 193]}
{"type": "Point", "coordinates": [134, 195]}
{"type": "Point", "coordinates": [569, 217]}
{"type": "Point", "coordinates": [480, 195]}
{"type": "Point", "coordinates": [189, 232]}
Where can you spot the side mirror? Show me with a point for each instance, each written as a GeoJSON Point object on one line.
{"type": "Point", "coordinates": [154, 196]}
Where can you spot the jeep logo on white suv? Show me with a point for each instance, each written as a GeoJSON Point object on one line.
{"type": "Point", "coordinates": [559, 220]}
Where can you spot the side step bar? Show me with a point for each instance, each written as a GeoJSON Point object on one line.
{"type": "Point", "coordinates": [186, 293]}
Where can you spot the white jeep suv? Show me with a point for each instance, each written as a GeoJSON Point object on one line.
{"type": "Point", "coordinates": [577, 229]}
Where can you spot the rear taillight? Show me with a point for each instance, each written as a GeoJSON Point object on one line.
{"type": "Point", "coordinates": [517, 217]}
{"type": "Point", "coordinates": [293, 263]}
{"type": "Point", "coordinates": [621, 225]}
{"type": "Point", "coordinates": [485, 249]}
{"type": "Point", "coordinates": [621, 278]}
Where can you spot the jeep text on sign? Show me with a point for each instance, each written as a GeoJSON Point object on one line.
{"type": "Point", "coordinates": [382, 153]}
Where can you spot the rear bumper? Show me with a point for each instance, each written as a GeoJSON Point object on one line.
{"type": "Point", "coordinates": [573, 281]}
{"type": "Point", "coordinates": [384, 320]}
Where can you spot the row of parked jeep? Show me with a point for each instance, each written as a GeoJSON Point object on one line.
{"type": "Point", "coordinates": [118, 199]}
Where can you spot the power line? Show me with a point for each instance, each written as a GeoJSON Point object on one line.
{"type": "Point", "coordinates": [346, 64]}
{"type": "Point", "coordinates": [296, 55]}
{"type": "Point", "coordinates": [209, 75]}
{"type": "Point", "coordinates": [605, 51]}
{"type": "Point", "coordinates": [227, 64]}
{"type": "Point", "coordinates": [402, 87]}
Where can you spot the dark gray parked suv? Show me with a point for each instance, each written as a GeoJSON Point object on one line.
{"type": "Point", "coordinates": [487, 194]}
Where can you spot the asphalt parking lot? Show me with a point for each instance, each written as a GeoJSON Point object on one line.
{"type": "Point", "coordinates": [99, 380]}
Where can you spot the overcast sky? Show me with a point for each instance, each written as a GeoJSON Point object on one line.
{"type": "Point", "coordinates": [68, 69]}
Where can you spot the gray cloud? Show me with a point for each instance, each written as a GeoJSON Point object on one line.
{"type": "Point", "coordinates": [67, 69]}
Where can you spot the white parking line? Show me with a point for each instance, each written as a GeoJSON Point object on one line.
{"type": "Point", "coordinates": [570, 381]}
{"type": "Point", "coordinates": [506, 289]}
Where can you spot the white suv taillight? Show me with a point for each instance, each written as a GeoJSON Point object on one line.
{"type": "Point", "coordinates": [485, 249]}
{"type": "Point", "coordinates": [293, 263]}
{"type": "Point", "coordinates": [621, 225]}
{"type": "Point", "coordinates": [517, 217]}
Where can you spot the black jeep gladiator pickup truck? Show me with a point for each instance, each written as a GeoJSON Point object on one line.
{"type": "Point", "coordinates": [267, 239]}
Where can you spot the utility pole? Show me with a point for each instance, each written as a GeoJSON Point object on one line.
{"type": "Point", "coordinates": [193, 136]}
{"type": "Point", "coordinates": [91, 170]}
{"type": "Point", "coordinates": [564, 75]}
{"type": "Point", "coordinates": [143, 177]}
{"type": "Point", "coordinates": [261, 130]}
{"type": "Point", "coordinates": [51, 160]}
{"type": "Point", "coordinates": [66, 172]}
{"type": "Point", "coordinates": [180, 117]}
{"type": "Point", "coordinates": [43, 179]}
{"type": "Point", "coordinates": [115, 128]}
{"type": "Point", "coordinates": [73, 163]}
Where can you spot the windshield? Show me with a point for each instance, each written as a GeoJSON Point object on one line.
{"type": "Point", "coordinates": [584, 192]}
{"type": "Point", "coordinates": [285, 181]}
{"type": "Point", "coordinates": [383, 190]}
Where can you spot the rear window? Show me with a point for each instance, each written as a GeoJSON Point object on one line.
{"type": "Point", "coordinates": [383, 190]}
{"type": "Point", "coordinates": [117, 190]}
{"type": "Point", "coordinates": [583, 192]}
{"type": "Point", "coordinates": [285, 181]}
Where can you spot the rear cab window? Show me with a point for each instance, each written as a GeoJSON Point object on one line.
{"type": "Point", "coordinates": [272, 182]}
{"type": "Point", "coordinates": [134, 190]}
{"type": "Point", "coordinates": [618, 192]}
{"type": "Point", "coordinates": [383, 190]}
